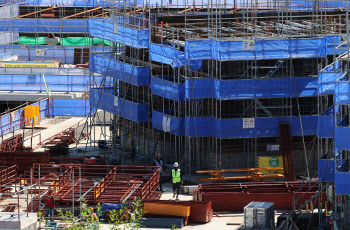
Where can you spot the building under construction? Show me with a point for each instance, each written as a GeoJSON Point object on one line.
{"type": "Point", "coordinates": [209, 84]}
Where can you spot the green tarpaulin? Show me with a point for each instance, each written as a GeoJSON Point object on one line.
{"type": "Point", "coordinates": [71, 41]}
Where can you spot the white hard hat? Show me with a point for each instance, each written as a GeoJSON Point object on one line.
{"type": "Point", "coordinates": [176, 164]}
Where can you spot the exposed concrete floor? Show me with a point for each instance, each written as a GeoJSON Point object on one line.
{"type": "Point", "coordinates": [50, 131]}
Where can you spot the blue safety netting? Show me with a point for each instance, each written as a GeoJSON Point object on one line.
{"type": "Point", "coordinates": [168, 89]}
{"type": "Point", "coordinates": [136, 75]}
{"type": "Point", "coordinates": [326, 126]}
{"type": "Point", "coordinates": [59, 53]}
{"type": "Point", "coordinates": [342, 183]}
{"type": "Point", "coordinates": [342, 92]}
{"type": "Point", "coordinates": [44, 25]}
{"type": "Point", "coordinates": [70, 107]}
{"type": "Point", "coordinates": [107, 101]}
{"type": "Point", "coordinates": [342, 137]}
{"type": "Point", "coordinates": [58, 107]}
{"type": "Point", "coordinates": [327, 169]}
{"type": "Point", "coordinates": [35, 82]}
{"type": "Point", "coordinates": [168, 123]}
{"type": "Point", "coordinates": [327, 78]}
{"type": "Point", "coordinates": [109, 29]}
{"type": "Point", "coordinates": [233, 128]}
{"type": "Point", "coordinates": [243, 89]}
{"type": "Point", "coordinates": [264, 49]}
{"type": "Point", "coordinates": [171, 56]}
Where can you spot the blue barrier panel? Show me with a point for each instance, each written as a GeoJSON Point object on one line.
{"type": "Point", "coordinates": [342, 183]}
{"type": "Point", "coordinates": [108, 29]}
{"type": "Point", "coordinates": [342, 92]}
{"type": "Point", "coordinates": [342, 135]}
{"type": "Point", "coordinates": [233, 128]}
{"type": "Point", "coordinates": [326, 126]}
{"type": "Point", "coordinates": [245, 89]}
{"type": "Point", "coordinates": [168, 89]}
{"type": "Point", "coordinates": [44, 25]}
{"type": "Point", "coordinates": [106, 101]}
{"type": "Point", "coordinates": [171, 56]}
{"type": "Point", "coordinates": [71, 107]}
{"type": "Point", "coordinates": [167, 123]}
{"type": "Point", "coordinates": [54, 83]}
{"type": "Point", "coordinates": [136, 75]}
{"type": "Point", "coordinates": [263, 49]}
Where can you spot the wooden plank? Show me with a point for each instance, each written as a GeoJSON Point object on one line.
{"type": "Point", "coordinates": [25, 15]}
{"type": "Point", "coordinates": [87, 11]}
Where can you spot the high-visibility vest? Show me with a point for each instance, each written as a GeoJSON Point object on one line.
{"type": "Point", "coordinates": [176, 176]}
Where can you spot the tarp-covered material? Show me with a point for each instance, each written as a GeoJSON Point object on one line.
{"type": "Point", "coordinates": [168, 89]}
{"type": "Point", "coordinates": [167, 123]}
{"type": "Point", "coordinates": [44, 25]}
{"type": "Point", "coordinates": [108, 29]}
{"type": "Point", "coordinates": [342, 183]}
{"type": "Point", "coordinates": [260, 49]}
{"type": "Point", "coordinates": [136, 75]}
{"type": "Point", "coordinates": [244, 89]}
{"type": "Point", "coordinates": [127, 109]}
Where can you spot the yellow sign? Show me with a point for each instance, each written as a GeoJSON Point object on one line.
{"type": "Point", "coordinates": [270, 162]}
{"type": "Point", "coordinates": [29, 64]}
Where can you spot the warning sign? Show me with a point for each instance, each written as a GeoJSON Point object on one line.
{"type": "Point", "coordinates": [248, 123]}
{"type": "Point", "coordinates": [116, 102]}
{"type": "Point", "coordinates": [40, 52]}
{"type": "Point", "coordinates": [115, 28]}
{"type": "Point", "coordinates": [248, 45]}
{"type": "Point", "coordinates": [270, 162]}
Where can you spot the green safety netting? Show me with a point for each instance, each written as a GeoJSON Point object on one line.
{"type": "Point", "coordinates": [71, 41]}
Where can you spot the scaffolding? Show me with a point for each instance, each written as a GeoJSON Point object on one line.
{"type": "Point", "coordinates": [208, 83]}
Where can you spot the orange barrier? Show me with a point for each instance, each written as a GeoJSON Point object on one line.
{"type": "Point", "coordinates": [32, 115]}
{"type": "Point", "coordinates": [167, 209]}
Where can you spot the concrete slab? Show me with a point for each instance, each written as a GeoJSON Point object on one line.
{"type": "Point", "coordinates": [51, 131]}
{"type": "Point", "coordinates": [10, 221]}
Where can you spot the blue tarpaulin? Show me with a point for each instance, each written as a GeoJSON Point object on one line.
{"type": "Point", "coordinates": [168, 89]}
{"type": "Point", "coordinates": [44, 25]}
{"type": "Point", "coordinates": [263, 49]}
{"type": "Point", "coordinates": [327, 169]}
{"type": "Point", "coordinates": [110, 30]}
{"type": "Point", "coordinates": [36, 83]}
{"type": "Point", "coordinates": [108, 102]}
{"type": "Point", "coordinates": [167, 123]}
{"type": "Point", "coordinates": [244, 89]}
{"type": "Point", "coordinates": [342, 183]}
{"type": "Point", "coordinates": [136, 75]}
{"type": "Point", "coordinates": [342, 135]}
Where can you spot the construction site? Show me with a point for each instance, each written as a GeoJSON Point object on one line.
{"type": "Point", "coordinates": [102, 101]}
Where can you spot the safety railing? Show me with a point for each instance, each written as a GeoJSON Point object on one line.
{"type": "Point", "coordinates": [8, 173]}
{"type": "Point", "coordinates": [100, 188]}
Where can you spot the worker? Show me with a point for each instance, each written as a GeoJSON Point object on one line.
{"type": "Point", "coordinates": [158, 162]}
{"type": "Point", "coordinates": [49, 204]}
{"type": "Point", "coordinates": [176, 179]}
